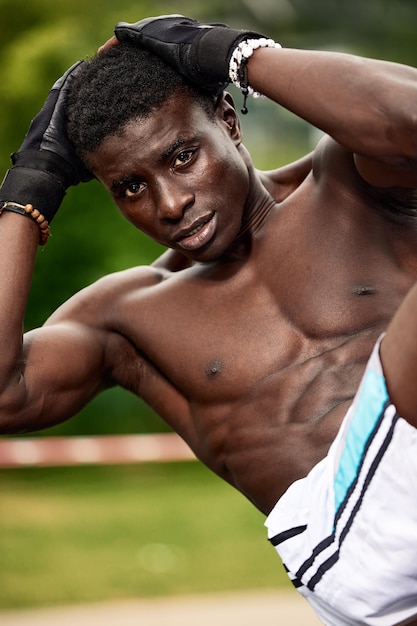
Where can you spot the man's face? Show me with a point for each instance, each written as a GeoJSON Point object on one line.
{"type": "Point", "coordinates": [179, 176]}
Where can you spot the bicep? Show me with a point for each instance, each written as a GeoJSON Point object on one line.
{"type": "Point", "coordinates": [63, 367]}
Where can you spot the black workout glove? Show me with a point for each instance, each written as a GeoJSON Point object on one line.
{"type": "Point", "coordinates": [200, 52]}
{"type": "Point", "coordinates": [46, 163]}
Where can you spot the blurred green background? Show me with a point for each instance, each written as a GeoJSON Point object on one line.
{"type": "Point", "coordinates": [41, 38]}
{"type": "Point", "coordinates": [89, 533]}
{"type": "Point", "coordinates": [84, 534]}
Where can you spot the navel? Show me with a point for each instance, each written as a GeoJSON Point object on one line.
{"type": "Point", "coordinates": [364, 290]}
{"type": "Point", "coordinates": [214, 368]}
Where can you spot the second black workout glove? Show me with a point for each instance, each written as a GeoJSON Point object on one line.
{"type": "Point", "coordinates": [46, 163]}
{"type": "Point", "coordinates": [200, 52]}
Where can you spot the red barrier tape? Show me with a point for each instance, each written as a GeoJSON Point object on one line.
{"type": "Point", "coordinates": [105, 449]}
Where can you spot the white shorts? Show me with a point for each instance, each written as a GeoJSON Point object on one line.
{"type": "Point", "coordinates": [347, 533]}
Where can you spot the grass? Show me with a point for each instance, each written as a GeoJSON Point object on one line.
{"type": "Point", "coordinates": [84, 534]}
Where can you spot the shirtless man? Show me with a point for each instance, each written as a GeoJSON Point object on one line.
{"type": "Point", "coordinates": [251, 337]}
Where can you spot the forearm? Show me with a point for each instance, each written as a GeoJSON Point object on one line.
{"type": "Point", "coordinates": [368, 106]}
{"type": "Point", "coordinates": [19, 239]}
{"type": "Point", "coordinates": [43, 168]}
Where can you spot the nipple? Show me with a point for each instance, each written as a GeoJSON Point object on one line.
{"type": "Point", "coordinates": [364, 290]}
{"type": "Point", "coordinates": [214, 368]}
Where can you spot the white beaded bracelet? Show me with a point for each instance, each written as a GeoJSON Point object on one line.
{"type": "Point", "coordinates": [238, 61]}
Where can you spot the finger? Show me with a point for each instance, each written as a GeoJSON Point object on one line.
{"type": "Point", "coordinates": [110, 43]}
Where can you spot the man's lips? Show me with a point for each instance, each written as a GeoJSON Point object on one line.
{"type": "Point", "coordinates": [198, 234]}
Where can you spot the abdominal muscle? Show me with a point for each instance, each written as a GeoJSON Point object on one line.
{"type": "Point", "coordinates": [284, 426]}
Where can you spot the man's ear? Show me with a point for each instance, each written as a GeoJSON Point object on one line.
{"type": "Point", "coordinates": [227, 115]}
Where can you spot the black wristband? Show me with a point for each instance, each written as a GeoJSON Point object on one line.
{"type": "Point", "coordinates": [26, 185]}
{"type": "Point", "coordinates": [210, 55]}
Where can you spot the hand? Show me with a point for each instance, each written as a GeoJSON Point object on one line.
{"type": "Point", "coordinates": [46, 163]}
{"type": "Point", "coordinates": [200, 52]}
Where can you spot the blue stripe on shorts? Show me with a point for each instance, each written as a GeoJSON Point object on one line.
{"type": "Point", "coordinates": [367, 412]}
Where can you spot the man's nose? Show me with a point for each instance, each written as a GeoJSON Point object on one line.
{"type": "Point", "coordinates": [172, 200]}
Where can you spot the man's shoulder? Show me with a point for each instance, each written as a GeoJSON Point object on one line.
{"type": "Point", "coordinates": [117, 284]}
{"type": "Point", "coordinates": [95, 304]}
{"type": "Point", "coordinates": [328, 160]}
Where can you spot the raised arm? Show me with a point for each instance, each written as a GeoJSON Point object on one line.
{"type": "Point", "coordinates": [368, 106]}
{"type": "Point", "coordinates": [50, 373]}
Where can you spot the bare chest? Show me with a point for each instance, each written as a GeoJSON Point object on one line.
{"type": "Point", "coordinates": [254, 395]}
{"type": "Point", "coordinates": [321, 271]}
{"type": "Point", "coordinates": [256, 364]}
{"type": "Point", "coordinates": [271, 330]}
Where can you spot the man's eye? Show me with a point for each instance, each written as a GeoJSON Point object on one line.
{"type": "Point", "coordinates": [132, 189]}
{"type": "Point", "coordinates": [183, 157]}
